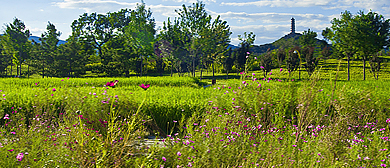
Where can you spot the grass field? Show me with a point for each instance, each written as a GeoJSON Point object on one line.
{"type": "Point", "coordinates": [247, 121]}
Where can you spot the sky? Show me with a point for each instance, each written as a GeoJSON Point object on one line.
{"type": "Point", "coordinates": [267, 19]}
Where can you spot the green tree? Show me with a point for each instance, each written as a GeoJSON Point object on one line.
{"type": "Point", "coordinates": [215, 40]}
{"type": "Point", "coordinates": [266, 62]}
{"type": "Point", "coordinates": [373, 32]}
{"type": "Point", "coordinates": [292, 60]}
{"type": "Point", "coordinates": [241, 53]}
{"type": "Point", "coordinates": [98, 29]}
{"type": "Point", "coordinates": [194, 21]}
{"type": "Point", "coordinates": [15, 42]}
{"type": "Point", "coordinates": [140, 34]}
{"type": "Point", "coordinates": [344, 35]}
{"type": "Point", "coordinates": [49, 42]}
{"type": "Point", "coordinates": [311, 62]}
{"type": "Point", "coordinates": [308, 38]}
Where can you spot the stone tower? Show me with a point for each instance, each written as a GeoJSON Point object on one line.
{"type": "Point", "coordinates": [292, 26]}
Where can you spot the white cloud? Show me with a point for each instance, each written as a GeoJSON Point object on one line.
{"type": "Point", "coordinates": [281, 3]}
{"type": "Point", "coordinates": [35, 31]}
{"type": "Point", "coordinates": [99, 6]}
{"type": "Point", "coordinates": [192, 1]}
{"type": "Point", "coordinates": [168, 11]}
{"type": "Point", "coordinates": [269, 17]}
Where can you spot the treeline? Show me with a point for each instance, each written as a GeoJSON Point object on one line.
{"type": "Point", "coordinates": [126, 42]}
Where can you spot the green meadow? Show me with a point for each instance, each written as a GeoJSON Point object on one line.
{"type": "Point", "coordinates": [243, 121]}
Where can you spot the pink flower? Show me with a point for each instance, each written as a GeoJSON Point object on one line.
{"type": "Point", "coordinates": [261, 67]}
{"type": "Point", "coordinates": [242, 72]}
{"type": "Point", "coordinates": [145, 87]}
{"type": "Point", "coordinates": [248, 53]}
{"type": "Point", "coordinates": [11, 150]}
{"type": "Point", "coordinates": [6, 117]}
{"type": "Point", "coordinates": [163, 158]}
{"type": "Point", "coordinates": [20, 156]}
{"type": "Point", "coordinates": [253, 74]}
{"type": "Point", "coordinates": [281, 69]}
{"type": "Point", "coordinates": [54, 89]}
{"type": "Point", "coordinates": [178, 154]}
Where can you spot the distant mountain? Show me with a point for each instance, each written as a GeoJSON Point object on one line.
{"type": "Point", "coordinates": [232, 46]}
{"type": "Point", "coordinates": [36, 39]}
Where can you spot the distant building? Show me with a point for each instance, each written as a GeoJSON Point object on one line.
{"type": "Point", "coordinates": [292, 26]}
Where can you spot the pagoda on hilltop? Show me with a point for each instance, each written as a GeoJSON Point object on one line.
{"type": "Point", "coordinates": [292, 33]}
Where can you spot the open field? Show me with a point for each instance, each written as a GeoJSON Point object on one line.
{"type": "Point", "coordinates": [244, 122]}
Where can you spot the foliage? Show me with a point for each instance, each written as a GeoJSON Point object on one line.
{"type": "Point", "coordinates": [15, 43]}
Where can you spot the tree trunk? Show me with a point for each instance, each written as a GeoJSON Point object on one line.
{"type": "Point", "coordinates": [348, 67]}
{"type": "Point", "coordinates": [364, 69]}
{"type": "Point", "coordinates": [227, 74]}
{"type": "Point", "coordinates": [213, 71]}
{"type": "Point", "coordinates": [141, 66]}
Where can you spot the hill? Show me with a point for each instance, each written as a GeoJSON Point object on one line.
{"type": "Point", "coordinates": [36, 39]}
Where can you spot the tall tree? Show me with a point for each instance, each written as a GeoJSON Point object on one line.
{"type": "Point", "coordinates": [49, 41]}
{"type": "Point", "coordinates": [246, 43]}
{"type": "Point", "coordinates": [215, 40]}
{"type": "Point", "coordinates": [140, 33]}
{"type": "Point", "coordinates": [98, 29]}
{"type": "Point", "coordinates": [373, 35]}
{"type": "Point", "coordinates": [344, 35]}
{"type": "Point", "coordinates": [193, 20]}
{"type": "Point", "coordinates": [15, 42]}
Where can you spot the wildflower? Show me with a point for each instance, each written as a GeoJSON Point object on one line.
{"type": "Point", "coordinates": [241, 73]}
{"type": "Point", "coordinates": [20, 156]}
{"type": "Point", "coordinates": [11, 150]}
{"type": "Point", "coordinates": [54, 89]}
{"type": "Point", "coordinates": [383, 165]}
{"type": "Point", "coordinates": [164, 159]}
{"type": "Point", "coordinates": [3, 95]}
{"type": "Point", "coordinates": [6, 116]}
{"type": "Point", "coordinates": [248, 53]}
{"type": "Point", "coordinates": [233, 99]}
{"type": "Point", "coordinates": [178, 154]}
{"type": "Point", "coordinates": [144, 86]}
{"type": "Point", "coordinates": [261, 67]}
{"type": "Point", "coordinates": [281, 69]}
{"type": "Point", "coordinates": [112, 84]}
{"type": "Point", "coordinates": [255, 58]}
{"type": "Point", "coordinates": [253, 74]}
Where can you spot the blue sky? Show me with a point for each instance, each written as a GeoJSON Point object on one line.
{"type": "Point", "coordinates": [268, 19]}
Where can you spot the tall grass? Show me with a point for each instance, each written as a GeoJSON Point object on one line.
{"type": "Point", "coordinates": [246, 122]}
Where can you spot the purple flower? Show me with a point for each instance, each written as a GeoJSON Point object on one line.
{"type": "Point", "coordinates": [178, 154]}
{"type": "Point", "coordinates": [54, 89]}
{"type": "Point", "coordinates": [164, 159]}
{"type": "Point", "coordinates": [145, 87]}
{"type": "Point", "coordinates": [253, 74]}
{"type": "Point", "coordinates": [248, 53]}
{"type": "Point", "coordinates": [3, 95]}
{"type": "Point", "coordinates": [281, 69]}
{"type": "Point", "coordinates": [261, 67]}
{"type": "Point", "coordinates": [20, 156]}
